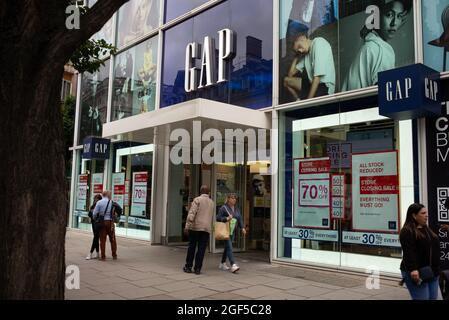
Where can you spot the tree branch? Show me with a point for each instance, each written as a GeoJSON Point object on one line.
{"type": "Point", "coordinates": [67, 41]}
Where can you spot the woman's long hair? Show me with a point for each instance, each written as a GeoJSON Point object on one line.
{"type": "Point", "coordinates": [411, 224]}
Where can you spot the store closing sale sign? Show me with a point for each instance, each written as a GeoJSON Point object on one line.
{"type": "Point", "coordinates": [311, 193]}
{"type": "Point", "coordinates": [139, 199]}
{"type": "Point", "coordinates": [375, 189]}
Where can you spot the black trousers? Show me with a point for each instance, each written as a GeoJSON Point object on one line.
{"type": "Point", "coordinates": [197, 239]}
{"type": "Point", "coordinates": [96, 241]}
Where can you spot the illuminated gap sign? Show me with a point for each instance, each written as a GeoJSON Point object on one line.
{"type": "Point", "coordinates": [409, 92]}
{"type": "Point", "coordinates": [206, 76]}
{"type": "Point", "coordinates": [96, 148]}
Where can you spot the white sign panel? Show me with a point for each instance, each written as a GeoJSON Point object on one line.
{"type": "Point", "coordinates": [371, 239]}
{"type": "Point", "coordinates": [81, 192]}
{"type": "Point", "coordinates": [97, 186]}
{"type": "Point", "coordinates": [311, 234]}
{"type": "Point", "coordinates": [311, 193]}
{"type": "Point", "coordinates": [118, 188]}
{"type": "Point", "coordinates": [375, 192]}
{"type": "Point", "coordinates": [139, 196]}
{"type": "Point", "coordinates": [338, 196]}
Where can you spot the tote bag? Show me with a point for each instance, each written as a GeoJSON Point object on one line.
{"type": "Point", "coordinates": [221, 230]}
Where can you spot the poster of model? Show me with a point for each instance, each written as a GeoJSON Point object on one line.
{"type": "Point", "coordinates": [375, 192]}
{"type": "Point", "coordinates": [118, 188]}
{"type": "Point", "coordinates": [81, 196]}
{"type": "Point", "coordinates": [139, 196]}
{"type": "Point", "coordinates": [308, 49]}
{"type": "Point", "coordinates": [311, 193]}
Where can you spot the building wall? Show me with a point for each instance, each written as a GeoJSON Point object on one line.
{"type": "Point", "coordinates": [148, 73]}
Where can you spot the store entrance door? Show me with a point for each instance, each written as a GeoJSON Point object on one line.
{"type": "Point", "coordinates": [185, 183]}
{"type": "Point", "coordinates": [230, 178]}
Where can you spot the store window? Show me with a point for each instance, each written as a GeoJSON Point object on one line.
{"type": "Point", "coordinates": [89, 182]}
{"type": "Point", "coordinates": [94, 101]}
{"type": "Point", "coordinates": [176, 8]}
{"type": "Point", "coordinates": [250, 75]}
{"type": "Point", "coordinates": [136, 19]}
{"type": "Point", "coordinates": [346, 182]}
{"type": "Point", "coordinates": [339, 46]}
{"type": "Point", "coordinates": [134, 90]}
{"type": "Point", "coordinates": [131, 178]}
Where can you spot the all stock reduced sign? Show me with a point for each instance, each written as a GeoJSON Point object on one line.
{"type": "Point", "coordinates": [437, 145]}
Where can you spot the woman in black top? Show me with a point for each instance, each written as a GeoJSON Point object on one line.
{"type": "Point", "coordinates": [420, 247]}
{"type": "Point", "coordinates": [96, 240]}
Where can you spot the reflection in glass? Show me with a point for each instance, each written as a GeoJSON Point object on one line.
{"type": "Point", "coordinates": [94, 100]}
{"type": "Point", "coordinates": [134, 89]}
{"type": "Point", "coordinates": [135, 19]}
{"type": "Point", "coordinates": [175, 8]}
{"type": "Point", "coordinates": [250, 80]}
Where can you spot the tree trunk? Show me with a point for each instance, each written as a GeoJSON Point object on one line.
{"type": "Point", "coordinates": [35, 45]}
{"type": "Point", "coordinates": [33, 192]}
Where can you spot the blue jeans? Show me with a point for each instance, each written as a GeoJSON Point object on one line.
{"type": "Point", "coordinates": [227, 253]}
{"type": "Point", "coordinates": [425, 291]}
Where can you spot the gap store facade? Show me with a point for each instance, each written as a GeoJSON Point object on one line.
{"type": "Point", "coordinates": [331, 178]}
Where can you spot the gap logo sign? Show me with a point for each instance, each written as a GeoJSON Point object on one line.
{"type": "Point", "coordinates": [96, 148]}
{"type": "Point", "coordinates": [409, 92]}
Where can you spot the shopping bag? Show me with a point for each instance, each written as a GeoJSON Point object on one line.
{"type": "Point", "coordinates": [221, 230]}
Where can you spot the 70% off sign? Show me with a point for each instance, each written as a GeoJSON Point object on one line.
{"type": "Point", "coordinates": [314, 193]}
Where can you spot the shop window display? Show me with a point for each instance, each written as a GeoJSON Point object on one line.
{"type": "Point", "coordinates": [340, 196]}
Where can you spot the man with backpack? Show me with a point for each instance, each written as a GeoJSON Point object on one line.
{"type": "Point", "coordinates": [103, 217]}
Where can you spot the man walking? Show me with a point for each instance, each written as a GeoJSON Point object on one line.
{"type": "Point", "coordinates": [198, 226]}
{"type": "Point", "coordinates": [107, 228]}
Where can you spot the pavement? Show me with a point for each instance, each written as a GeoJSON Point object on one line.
{"type": "Point", "coordinates": [147, 272]}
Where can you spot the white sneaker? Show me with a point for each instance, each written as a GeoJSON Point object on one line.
{"type": "Point", "coordinates": [89, 256]}
{"type": "Point", "coordinates": [235, 268]}
{"type": "Point", "coordinates": [223, 267]}
{"type": "Point", "coordinates": [95, 255]}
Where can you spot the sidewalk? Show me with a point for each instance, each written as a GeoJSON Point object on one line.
{"type": "Point", "coordinates": [155, 272]}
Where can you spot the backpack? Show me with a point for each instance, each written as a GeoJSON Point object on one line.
{"type": "Point", "coordinates": [444, 284]}
{"type": "Point", "coordinates": [117, 212]}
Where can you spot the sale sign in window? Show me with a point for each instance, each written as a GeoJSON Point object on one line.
{"type": "Point", "coordinates": [139, 195]}
{"type": "Point", "coordinates": [312, 193]}
{"type": "Point", "coordinates": [97, 186]}
{"type": "Point", "coordinates": [375, 192]}
{"type": "Point", "coordinates": [81, 194]}
{"type": "Point", "coordinates": [118, 188]}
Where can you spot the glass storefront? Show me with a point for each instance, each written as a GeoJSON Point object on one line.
{"type": "Point", "coordinates": [346, 180]}
{"type": "Point", "coordinates": [89, 182]}
{"type": "Point", "coordinates": [131, 183]}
